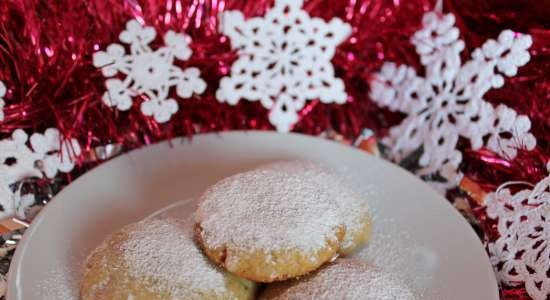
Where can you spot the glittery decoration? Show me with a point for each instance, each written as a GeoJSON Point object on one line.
{"type": "Point", "coordinates": [447, 102]}
{"type": "Point", "coordinates": [521, 253]}
{"type": "Point", "coordinates": [148, 73]}
{"type": "Point", "coordinates": [2, 103]}
{"type": "Point", "coordinates": [284, 60]}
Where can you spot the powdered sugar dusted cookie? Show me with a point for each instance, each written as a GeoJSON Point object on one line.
{"type": "Point", "coordinates": [157, 259]}
{"type": "Point", "coordinates": [280, 221]}
{"type": "Point", "coordinates": [343, 279]}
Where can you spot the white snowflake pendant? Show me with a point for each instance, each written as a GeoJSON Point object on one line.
{"type": "Point", "coordinates": [284, 60]}
{"type": "Point", "coordinates": [148, 73]}
{"type": "Point", "coordinates": [521, 255]}
{"type": "Point", "coordinates": [43, 155]}
{"type": "Point", "coordinates": [447, 103]}
{"type": "Point", "coordinates": [2, 103]}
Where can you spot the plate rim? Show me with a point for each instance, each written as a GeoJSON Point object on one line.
{"type": "Point", "coordinates": [15, 264]}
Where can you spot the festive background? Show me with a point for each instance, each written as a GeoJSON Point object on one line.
{"type": "Point", "coordinates": [457, 92]}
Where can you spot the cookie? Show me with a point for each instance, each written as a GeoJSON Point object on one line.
{"type": "Point", "coordinates": [279, 221]}
{"type": "Point", "coordinates": [343, 279]}
{"type": "Point", "coordinates": [157, 259]}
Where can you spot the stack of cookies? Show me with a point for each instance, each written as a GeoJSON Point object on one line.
{"type": "Point", "coordinates": [274, 232]}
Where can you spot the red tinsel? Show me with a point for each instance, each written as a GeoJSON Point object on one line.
{"type": "Point", "coordinates": [46, 52]}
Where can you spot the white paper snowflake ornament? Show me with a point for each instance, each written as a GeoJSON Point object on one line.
{"type": "Point", "coordinates": [284, 60]}
{"type": "Point", "coordinates": [521, 254]}
{"type": "Point", "coordinates": [2, 103]}
{"type": "Point", "coordinates": [148, 73]}
{"type": "Point", "coordinates": [44, 157]}
{"type": "Point", "coordinates": [447, 102]}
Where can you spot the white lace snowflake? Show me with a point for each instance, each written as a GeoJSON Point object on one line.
{"type": "Point", "coordinates": [148, 73]}
{"type": "Point", "coordinates": [284, 60]}
{"type": "Point", "coordinates": [2, 103]}
{"type": "Point", "coordinates": [521, 255]}
{"type": "Point", "coordinates": [447, 103]}
{"type": "Point", "coordinates": [45, 156]}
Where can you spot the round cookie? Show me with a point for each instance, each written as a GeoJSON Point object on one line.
{"type": "Point", "coordinates": [157, 259]}
{"type": "Point", "coordinates": [279, 221]}
{"type": "Point", "coordinates": [343, 279]}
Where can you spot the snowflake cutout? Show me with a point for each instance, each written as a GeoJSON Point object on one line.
{"type": "Point", "coordinates": [45, 157]}
{"type": "Point", "coordinates": [148, 73]}
{"type": "Point", "coordinates": [447, 103]}
{"type": "Point", "coordinates": [2, 103]}
{"type": "Point", "coordinates": [284, 60]}
{"type": "Point", "coordinates": [522, 252]}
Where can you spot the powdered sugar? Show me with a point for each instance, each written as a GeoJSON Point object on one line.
{"type": "Point", "coordinates": [412, 264]}
{"type": "Point", "coordinates": [343, 279]}
{"type": "Point", "coordinates": [163, 250]}
{"type": "Point", "coordinates": [269, 208]}
{"type": "Point", "coordinates": [353, 207]}
{"type": "Point", "coordinates": [60, 284]}
{"type": "Point", "coordinates": [284, 205]}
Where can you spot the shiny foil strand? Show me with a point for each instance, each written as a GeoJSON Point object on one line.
{"type": "Point", "coordinates": [63, 89]}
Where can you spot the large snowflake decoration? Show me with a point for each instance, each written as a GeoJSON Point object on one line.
{"type": "Point", "coordinates": [44, 157]}
{"type": "Point", "coordinates": [284, 60]}
{"type": "Point", "coordinates": [2, 94]}
{"type": "Point", "coordinates": [521, 255]}
{"type": "Point", "coordinates": [447, 103]}
{"type": "Point", "coordinates": [147, 73]}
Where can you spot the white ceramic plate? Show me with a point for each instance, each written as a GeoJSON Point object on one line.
{"type": "Point", "coordinates": [417, 234]}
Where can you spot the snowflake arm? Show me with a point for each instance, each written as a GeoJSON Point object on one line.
{"type": "Point", "coordinates": [17, 159]}
{"type": "Point", "coordinates": [396, 87]}
{"type": "Point", "coordinates": [233, 25]}
{"type": "Point", "coordinates": [190, 83]}
{"type": "Point", "coordinates": [179, 45]}
{"type": "Point", "coordinates": [510, 132]}
{"type": "Point", "coordinates": [111, 61]}
{"type": "Point", "coordinates": [438, 43]}
{"type": "Point", "coordinates": [493, 60]}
